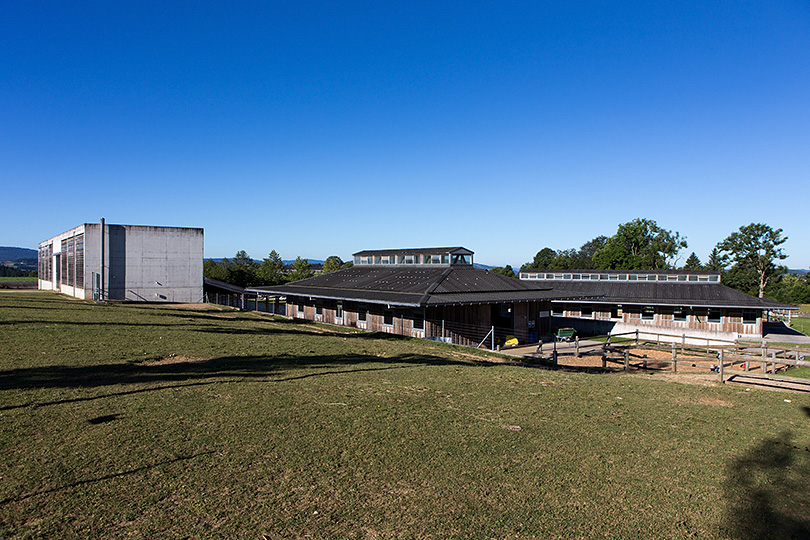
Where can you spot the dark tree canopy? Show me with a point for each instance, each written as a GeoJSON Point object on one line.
{"type": "Point", "coordinates": [716, 261]}
{"type": "Point", "coordinates": [332, 263]}
{"type": "Point", "coordinates": [272, 271]}
{"type": "Point", "coordinates": [504, 271]}
{"type": "Point", "coordinates": [754, 251]}
{"type": "Point", "coordinates": [242, 269]}
{"type": "Point", "coordinates": [543, 259]}
{"type": "Point", "coordinates": [300, 269]}
{"type": "Point", "coordinates": [639, 245]}
{"type": "Point", "coordinates": [692, 263]}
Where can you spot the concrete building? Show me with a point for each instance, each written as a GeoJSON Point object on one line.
{"type": "Point", "coordinates": [124, 262]}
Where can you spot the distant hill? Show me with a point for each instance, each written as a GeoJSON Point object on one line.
{"type": "Point", "coordinates": [17, 253]}
{"type": "Point", "coordinates": [797, 271]}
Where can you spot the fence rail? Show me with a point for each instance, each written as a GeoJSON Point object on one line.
{"type": "Point", "coordinates": [726, 358]}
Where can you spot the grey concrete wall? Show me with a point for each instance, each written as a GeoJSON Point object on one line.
{"type": "Point", "coordinates": [141, 263]}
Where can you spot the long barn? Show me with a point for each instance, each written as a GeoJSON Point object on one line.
{"type": "Point", "coordinates": [431, 293]}
{"type": "Point", "coordinates": [686, 304]}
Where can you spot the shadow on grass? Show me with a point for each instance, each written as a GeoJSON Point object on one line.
{"type": "Point", "coordinates": [103, 478]}
{"type": "Point", "coordinates": [767, 492]}
{"type": "Point", "coordinates": [214, 371]}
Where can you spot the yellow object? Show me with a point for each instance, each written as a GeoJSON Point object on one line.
{"type": "Point", "coordinates": [511, 341]}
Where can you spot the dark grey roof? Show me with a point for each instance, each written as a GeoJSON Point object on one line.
{"type": "Point", "coordinates": [664, 293]}
{"type": "Point", "coordinates": [416, 286]}
{"type": "Point", "coordinates": [412, 251]}
{"type": "Point", "coordinates": [210, 283]}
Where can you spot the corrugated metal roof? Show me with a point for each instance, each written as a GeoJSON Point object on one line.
{"type": "Point", "coordinates": [416, 286]}
{"type": "Point", "coordinates": [659, 293]}
{"type": "Point", "coordinates": [217, 284]}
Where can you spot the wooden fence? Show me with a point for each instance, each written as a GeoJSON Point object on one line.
{"type": "Point", "coordinates": [726, 358]}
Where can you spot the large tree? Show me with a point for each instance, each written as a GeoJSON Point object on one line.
{"type": "Point", "coordinates": [300, 269]}
{"type": "Point", "coordinates": [639, 245]}
{"type": "Point", "coordinates": [692, 263]}
{"type": "Point", "coordinates": [754, 250]}
{"type": "Point", "coordinates": [543, 259]}
{"type": "Point", "coordinates": [584, 257]}
{"type": "Point", "coordinates": [242, 269]}
{"type": "Point", "coordinates": [214, 270]}
{"type": "Point", "coordinates": [716, 261]}
{"type": "Point", "coordinates": [272, 271]}
{"type": "Point", "coordinates": [504, 271]}
{"type": "Point", "coordinates": [332, 263]}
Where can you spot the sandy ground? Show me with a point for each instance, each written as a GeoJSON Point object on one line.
{"type": "Point", "coordinates": [692, 369]}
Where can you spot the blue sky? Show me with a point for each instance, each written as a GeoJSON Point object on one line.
{"type": "Point", "coordinates": [324, 128]}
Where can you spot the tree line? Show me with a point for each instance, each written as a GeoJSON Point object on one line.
{"type": "Point", "coordinates": [243, 271]}
{"type": "Point", "coordinates": [10, 271]}
{"type": "Point", "coordinates": [748, 259]}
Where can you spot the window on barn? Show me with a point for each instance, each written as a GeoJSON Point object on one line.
{"type": "Point", "coordinates": [586, 311]}
{"type": "Point", "coordinates": [299, 308]}
{"type": "Point", "coordinates": [318, 310]}
{"type": "Point", "coordinates": [339, 310]}
{"type": "Point", "coordinates": [648, 313]}
{"type": "Point", "coordinates": [80, 260]}
{"type": "Point", "coordinates": [615, 312]}
{"type": "Point", "coordinates": [749, 317]}
{"type": "Point", "coordinates": [361, 314]}
{"type": "Point", "coordinates": [679, 314]}
{"type": "Point", "coordinates": [714, 316]}
{"type": "Point", "coordinates": [388, 318]}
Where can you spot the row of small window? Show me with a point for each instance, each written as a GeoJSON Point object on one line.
{"type": "Point", "coordinates": [647, 313]}
{"type": "Point", "coordinates": [623, 277]}
{"type": "Point", "coordinates": [45, 263]}
{"type": "Point", "coordinates": [414, 259]}
{"type": "Point", "coordinates": [417, 316]}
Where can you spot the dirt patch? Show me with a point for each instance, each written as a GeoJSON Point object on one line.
{"type": "Point", "coordinates": [173, 359]}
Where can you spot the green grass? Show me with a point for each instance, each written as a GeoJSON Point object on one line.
{"type": "Point", "coordinates": [802, 324]}
{"type": "Point", "coordinates": [300, 430]}
{"type": "Point", "coordinates": [25, 279]}
{"type": "Point", "coordinates": [803, 372]}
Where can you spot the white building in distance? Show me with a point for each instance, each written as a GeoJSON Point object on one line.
{"type": "Point", "coordinates": [124, 262]}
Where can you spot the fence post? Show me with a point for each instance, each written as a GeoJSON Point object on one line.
{"type": "Point", "coordinates": [576, 343]}
{"type": "Point", "coordinates": [627, 359]}
{"type": "Point", "coordinates": [442, 329]}
{"type": "Point", "coordinates": [720, 367]}
{"type": "Point", "coordinates": [636, 336]}
{"type": "Point", "coordinates": [674, 358]}
{"type": "Point", "coordinates": [493, 338]}
{"type": "Point", "coordinates": [764, 359]}
{"type": "Point", "coordinates": [604, 361]}
{"type": "Point", "coordinates": [683, 343]}
{"type": "Point", "coordinates": [773, 362]}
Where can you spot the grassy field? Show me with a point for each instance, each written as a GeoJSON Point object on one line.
{"type": "Point", "coordinates": [131, 421]}
{"type": "Point", "coordinates": [802, 324]}
{"type": "Point", "coordinates": [24, 279]}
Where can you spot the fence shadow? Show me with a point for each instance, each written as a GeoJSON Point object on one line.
{"type": "Point", "coordinates": [767, 492]}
